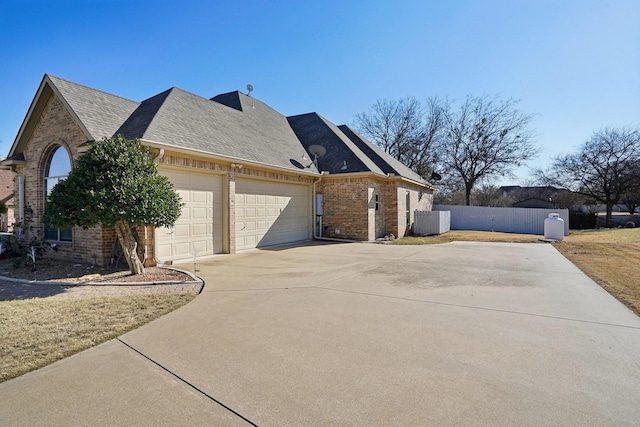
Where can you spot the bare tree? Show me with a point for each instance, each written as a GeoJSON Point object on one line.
{"type": "Point", "coordinates": [631, 198]}
{"type": "Point", "coordinates": [603, 169]}
{"type": "Point", "coordinates": [406, 130]}
{"type": "Point", "coordinates": [490, 195]}
{"type": "Point", "coordinates": [485, 138]}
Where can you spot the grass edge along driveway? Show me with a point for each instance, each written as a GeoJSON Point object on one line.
{"type": "Point", "coordinates": [40, 331]}
{"type": "Point", "coordinates": [610, 257]}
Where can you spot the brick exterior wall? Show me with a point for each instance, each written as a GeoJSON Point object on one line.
{"type": "Point", "coordinates": [56, 128]}
{"type": "Point", "coordinates": [346, 208]}
{"type": "Point", "coordinates": [350, 207]}
{"type": "Point", "coordinates": [419, 199]}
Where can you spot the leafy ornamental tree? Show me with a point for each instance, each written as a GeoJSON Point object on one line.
{"type": "Point", "coordinates": [604, 168]}
{"type": "Point", "coordinates": [406, 130]}
{"type": "Point", "coordinates": [485, 138]}
{"type": "Point", "coordinates": [116, 184]}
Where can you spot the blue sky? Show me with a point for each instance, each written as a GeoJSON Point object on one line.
{"type": "Point", "coordinates": [575, 64]}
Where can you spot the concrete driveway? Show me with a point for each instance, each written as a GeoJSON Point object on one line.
{"type": "Point", "coordinates": [361, 334]}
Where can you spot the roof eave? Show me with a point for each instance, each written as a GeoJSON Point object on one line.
{"type": "Point", "coordinates": [226, 159]}
{"type": "Point", "coordinates": [388, 177]}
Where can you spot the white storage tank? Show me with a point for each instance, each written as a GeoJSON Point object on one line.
{"type": "Point", "coordinates": [554, 227]}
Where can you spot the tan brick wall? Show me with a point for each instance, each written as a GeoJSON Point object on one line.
{"type": "Point", "coordinates": [419, 199]}
{"type": "Point", "coordinates": [389, 207]}
{"type": "Point", "coordinates": [350, 206]}
{"type": "Point", "coordinates": [56, 128]}
{"type": "Point", "coordinates": [346, 208]}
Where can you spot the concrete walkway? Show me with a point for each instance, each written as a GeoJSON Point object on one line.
{"type": "Point", "coordinates": [361, 334]}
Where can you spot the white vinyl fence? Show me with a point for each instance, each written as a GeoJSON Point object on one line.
{"type": "Point", "coordinates": [508, 220]}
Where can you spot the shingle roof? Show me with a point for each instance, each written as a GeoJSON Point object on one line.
{"type": "Point", "coordinates": [384, 160]}
{"type": "Point", "coordinates": [100, 112]}
{"type": "Point", "coordinates": [252, 132]}
{"type": "Point", "coordinates": [313, 129]}
{"type": "Point", "coordinates": [231, 125]}
{"type": "Point", "coordinates": [343, 144]}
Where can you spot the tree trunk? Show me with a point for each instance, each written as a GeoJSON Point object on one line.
{"type": "Point", "coordinates": [609, 216]}
{"type": "Point", "coordinates": [129, 247]}
{"type": "Point", "coordinates": [467, 193]}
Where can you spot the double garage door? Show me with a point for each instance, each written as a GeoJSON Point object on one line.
{"type": "Point", "coordinates": [266, 214]}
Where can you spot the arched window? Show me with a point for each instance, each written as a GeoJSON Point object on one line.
{"type": "Point", "coordinates": [57, 168]}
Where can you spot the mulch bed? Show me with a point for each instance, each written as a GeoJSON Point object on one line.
{"type": "Point", "coordinates": [68, 272]}
{"type": "Point", "coordinates": [64, 279]}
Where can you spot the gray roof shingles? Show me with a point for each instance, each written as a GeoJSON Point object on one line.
{"type": "Point", "coordinates": [100, 112]}
{"type": "Point", "coordinates": [257, 133]}
{"type": "Point", "coordinates": [384, 160]}
{"type": "Point", "coordinates": [231, 125]}
{"type": "Point", "coordinates": [342, 144]}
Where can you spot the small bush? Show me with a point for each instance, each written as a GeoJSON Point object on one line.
{"type": "Point", "coordinates": [25, 242]}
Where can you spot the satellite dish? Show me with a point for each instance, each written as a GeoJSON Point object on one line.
{"type": "Point", "coordinates": [435, 176]}
{"type": "Point", "coordinates": [249, 89]}
{"type": "Point", "coordinates": [317, 150]}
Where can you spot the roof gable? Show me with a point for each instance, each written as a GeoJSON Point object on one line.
{"type": "Point", "coordinates": [96, 113]}
{"type": "Point", "coordinates": [382, 159]}
{"type": "Point", "coordinates": [100, 113]}
{"type": "Point", "coordinates": [341, 155]}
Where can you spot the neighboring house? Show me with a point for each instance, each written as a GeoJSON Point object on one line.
{"type": "Point", "coordinates": [6, 195]}
{"type": "Point", "coordinates": [534, 202]}
{"type": "Point", "coordinates": [245, 172]}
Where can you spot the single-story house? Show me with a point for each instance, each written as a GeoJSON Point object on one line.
{"type": "Point", "coordinates": [535, 202]}
{"type": "Point", "coordinates": [248, 176]}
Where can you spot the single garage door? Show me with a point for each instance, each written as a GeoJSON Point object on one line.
{"type": "Point", "coordinates": [271, 213]}
{"type": "Point", "coordinates": [199, 228]}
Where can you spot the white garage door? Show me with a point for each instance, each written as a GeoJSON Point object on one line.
{"type": "Point", "coordinates": [270, 213]}
{"type": "Point", "coordinates": [199, 228]}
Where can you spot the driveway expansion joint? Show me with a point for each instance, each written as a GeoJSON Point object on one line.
{"type": "Point", "coordinates": [187, 383]}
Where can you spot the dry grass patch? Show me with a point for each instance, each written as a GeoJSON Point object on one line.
{"type": "Point", "coordinates": [611, 257]}
{"type": "Point", "coordinates": [37, 332]}
{"type": "Point", "coordinates": [469, 236]}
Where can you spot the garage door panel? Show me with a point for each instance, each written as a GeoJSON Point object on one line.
{"type": "Point", "coordinates": [182, 230]}
{"type": "Point", "coordinates": [271, 213]}
{"type": "Point", "coordinates": [199, 213]}
{"type": "Point", "coordinates": [199, 227]}
{"type": "Point", "coordinates": [199, 196]}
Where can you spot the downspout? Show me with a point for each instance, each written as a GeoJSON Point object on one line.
{"type": "Point", "coordinates": [315, 209]}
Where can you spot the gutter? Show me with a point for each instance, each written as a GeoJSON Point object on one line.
{"type": "Point", "coordinates": [205, 154]}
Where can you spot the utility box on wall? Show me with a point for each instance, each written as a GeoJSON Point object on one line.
{"type": "Point", "coordinates": [432, 222]}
